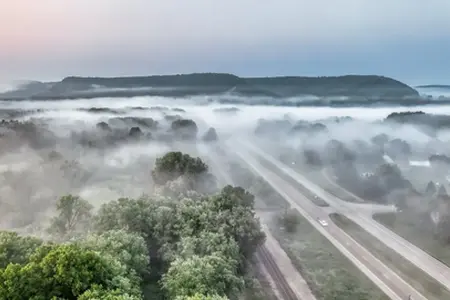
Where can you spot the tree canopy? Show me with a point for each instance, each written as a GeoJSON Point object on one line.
{"type": "Point", "coordinates": [191, 172]}
{"type": "Point", "coordinates": [151, 247]}
{"type": "Point", "coordinates": [175, 164]}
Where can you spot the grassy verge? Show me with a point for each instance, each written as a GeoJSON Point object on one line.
{"type": "Point", "coordinates": [320, 176]}
{"type": "Point", "coordinates": [256, 185]}
{"type": "Point", "coordinates": [329, 274]}
{"type": "Point", "coordinates": [407, 226]}
{"type": "Point", "coordinates": [423, 283]}
{"type": "Point", "coordinates": [310, 195]}
{"type": "Point", "coordinates": [324, 180]}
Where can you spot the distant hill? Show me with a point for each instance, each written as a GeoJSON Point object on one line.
{"type": "Point", "coordinates": [367, 86]}
{"type": "Point", "coordinates": [433, 86]}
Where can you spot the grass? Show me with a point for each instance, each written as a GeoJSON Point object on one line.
{"type": "Point", "coordinates": [310, 195]}
{"type": "Point", "coordinates": [329, 274]}
{"type": "Point", "coordinates": [320, 176]}
{"type": "Point", "coordinates": [324, 180]}
{"type": "Point", "coordinates": [406, 225]}
{"type": "Point", "coordinates": [421, 281]}
{"type": "Point", "coordinates": [256, 185]}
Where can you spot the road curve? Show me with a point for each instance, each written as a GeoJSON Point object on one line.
{"type": "Point", "coordinates": [388, 281]}
{"type": "Point", "coordinates": [430, 265]}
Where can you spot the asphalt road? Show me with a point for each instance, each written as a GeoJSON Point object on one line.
{"type": "Point", "coordinates": [393, 285]}
{"type": "Point", "coordinates": [433, 267]}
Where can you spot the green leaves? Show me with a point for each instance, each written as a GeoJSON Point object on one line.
{"type": "Point", "coordinates": [290, 220]}
{"type": "Point", "coordinates": [73, 216]}
{"type": "Point", "coordinates": [196, 245]}
{"type": "Point", "coordinates": [201, 297]}
{"type": "Point", "coordinates": [211, 274]}
{"type": "Point", "coordinates": [129, 248]}
{"type": "Point", "coordinates": [98, 293]}
{"type": "Point", "coordinates": [15, 248]}
{"type": "Point", "coordinates": [66, 271]}
{"type": "Point", "coordinates": [176, 164]}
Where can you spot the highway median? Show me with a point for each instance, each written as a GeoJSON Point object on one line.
{"type": "Point", "coordinates": [421, 281]}
{"type": "Point", "coordinates": [328, 272]}
{"type": "Point", "coordinates": [405, 225]}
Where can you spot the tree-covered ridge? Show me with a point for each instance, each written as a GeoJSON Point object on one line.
{"type": "Point", "coordinates": [330, 84]}
{"type": "Point", "coordinates": [371, 86]}
{"type": "Point", "coordinates": [195, 79]}
{"type": "Point", "coordinates": [195, 246]}
{"type": "Point", "coordinates": [434, 86]}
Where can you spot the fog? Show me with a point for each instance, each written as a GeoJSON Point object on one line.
{"type": "Point", "coordinates": [436, 92]}
{"type": "Point", "coordinates": [105, 148]}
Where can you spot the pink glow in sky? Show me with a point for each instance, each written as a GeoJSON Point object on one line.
{"type": "Point", "coordinates": [60, 37]}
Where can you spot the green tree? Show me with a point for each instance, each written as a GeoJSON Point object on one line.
{"type": "Point", "coordinates": [201, 297]}
{"type": "Point", "coordinates": [207, 275]}
{"type": "Point", "coordinates": [154, 219]}
{"type": "Point", "coordinates": [175, 164]}
{"type": "Point", "coordinates": [66, 272]}
{"type": "Point", "coordinates": [208, 243]}
{"type": "Point", "coordinates": [290, 220]}
{"type": "Point", "coordinates": [222, 225]}
{"type": "Point", "coordinates": [231, 197]}
{"type": "Point", "coordinates": [98, 293]}
{"type": "Point", "coordinates": [129, 248]}
{"type": "Point", "coordinates": [15, 248]}
{"type": "Point", "coordinates": [185, 129]}
{"type": "Point", "coordinates": [73, 216]}
{"type": "Point", "coordinates": [208, 214]}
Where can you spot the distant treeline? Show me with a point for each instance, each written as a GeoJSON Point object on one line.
{"type": "Point", "coordinates": [420, 118]}
{"type": "Point", "coordinates": [320, 86]}
{"type": "Point", "coordinates": [368, 87]}
{"type": "Point", "coordinates": [434, 86]}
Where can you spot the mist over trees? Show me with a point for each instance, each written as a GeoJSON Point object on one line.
{"type": "Point", "coordinates": [170, 231]}
{"type": "Point", "coordinates": [146, 248]}
{"type": "Point", "coordinates": [400, 160]}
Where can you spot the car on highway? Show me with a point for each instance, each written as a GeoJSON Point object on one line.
{"type": "Point", "coordinates": [322, 222]}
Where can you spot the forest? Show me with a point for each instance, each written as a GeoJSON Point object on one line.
{"type": "Point", "coordinates": [188, 240]}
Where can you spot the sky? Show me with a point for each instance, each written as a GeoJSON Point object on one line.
{"type": "Point", "coordinates": [50, 39]}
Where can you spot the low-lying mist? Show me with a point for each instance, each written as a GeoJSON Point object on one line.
{"type": "Point", "coordinates": [105, 148]}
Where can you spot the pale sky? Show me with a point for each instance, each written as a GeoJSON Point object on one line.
{"type": "Point", "coordinates": [51, 39]}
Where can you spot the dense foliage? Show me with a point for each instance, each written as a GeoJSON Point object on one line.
{"type": "Point", "coordinates": [152, 247]}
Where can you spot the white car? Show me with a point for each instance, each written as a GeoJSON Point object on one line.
{"type": "Point", "coordinates": [322, 222]}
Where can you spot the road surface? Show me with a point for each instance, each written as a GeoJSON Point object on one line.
{"type": "Point", "coordinates": [388, 281]}
{"type": "Point", "coordinates": [433, 267]}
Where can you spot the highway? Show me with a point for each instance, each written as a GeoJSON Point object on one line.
{"type": "Point", "coordinates": [433, 267]}
{"type": "Point", "coordinates": [388, 281]}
